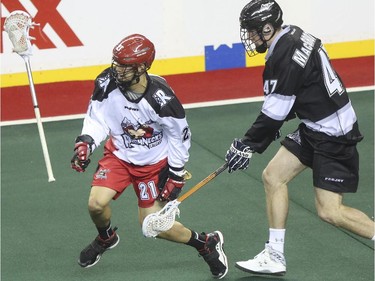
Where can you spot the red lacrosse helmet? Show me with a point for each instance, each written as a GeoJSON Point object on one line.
{"type": "Point", "coordinates": [134, 49]}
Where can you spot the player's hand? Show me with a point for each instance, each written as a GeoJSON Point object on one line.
{"type": "Point", "coordinates": [82, 152]}
{"type": "Point", "coordinates": [238, 156]}
{"type": "Point", "coordinates": [172, 187]}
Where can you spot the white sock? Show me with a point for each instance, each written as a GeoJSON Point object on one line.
{"type": "Point", "coordinates": [276, 239]}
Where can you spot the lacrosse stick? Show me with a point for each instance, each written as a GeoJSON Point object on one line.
{"type": "Point", "coordinates": [17, 25]}
{"type": "Point", "coordinates": [163, 220]}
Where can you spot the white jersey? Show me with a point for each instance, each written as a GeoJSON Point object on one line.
{"type": "Point", "coordinates": [144, 131]}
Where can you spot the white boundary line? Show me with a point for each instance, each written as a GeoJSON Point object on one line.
{"type": "Point", "coordinates": [186, 106]}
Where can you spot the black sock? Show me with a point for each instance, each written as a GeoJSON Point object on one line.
{"type": "Point", "coordinates": [197, 241]}
{"type": "Point", "coordinates": [105, 232]}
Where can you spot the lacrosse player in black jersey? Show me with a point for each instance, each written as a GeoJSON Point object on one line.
{"type": "Point", "coordinates": [299, 81]}
{"type": "Point", "coordinates": [148, 146]}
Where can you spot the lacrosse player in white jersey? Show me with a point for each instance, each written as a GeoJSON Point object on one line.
{"type": "Point", "coordinates": [298, 80]}
{"type": "Point", "coordinates": [148, 146]}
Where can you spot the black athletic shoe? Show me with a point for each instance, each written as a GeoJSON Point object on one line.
{"type": "Point", "coordinates": [92, 253]}
{"type": "Point", "coordinates": [215, 256]}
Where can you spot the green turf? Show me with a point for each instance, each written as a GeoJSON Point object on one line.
{"type": "Point", "coordinates": [45, 225]}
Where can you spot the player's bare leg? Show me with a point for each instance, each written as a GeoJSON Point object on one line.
{"type": "Point", "coordinates": [210, 246]}
{"type": "Point", "coordinates": [281, 170]}
{"type": "Point", "coordinates": [98, 205]}
{"type": "Point", "coordinates": [178, 233]}
{"type": "Point", "coordinates": [330, 209]}
{"type": "Point", "coordinates": [100, 212]}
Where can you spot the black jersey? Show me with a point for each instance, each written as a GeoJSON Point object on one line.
{"type": "Point", "coordinates": [145, 130]}
{"type": "Point", "coordinates": [299, 80]}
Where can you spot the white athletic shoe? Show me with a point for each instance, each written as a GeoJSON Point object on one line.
{"type": "Point", "coordinates": [269, 261]}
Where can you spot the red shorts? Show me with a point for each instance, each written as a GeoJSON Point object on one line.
{"type": "Point", "coordinates": [117, 174]}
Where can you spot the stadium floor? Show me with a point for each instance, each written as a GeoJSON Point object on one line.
{"type": "Point", "coordinates": [45, 225]}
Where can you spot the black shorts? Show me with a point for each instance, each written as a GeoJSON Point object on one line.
{"type": "Point", "coordinates": [335, 165]}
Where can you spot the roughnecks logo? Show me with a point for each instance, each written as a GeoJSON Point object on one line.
{"type": "Point", "coordinates": [140, 134]}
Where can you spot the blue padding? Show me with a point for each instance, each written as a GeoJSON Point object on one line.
{"type": "Point", "coordinates": [225, 57]}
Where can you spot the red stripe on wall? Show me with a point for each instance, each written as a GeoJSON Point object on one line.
{"type": "Point", "coordinates": [65, 98]}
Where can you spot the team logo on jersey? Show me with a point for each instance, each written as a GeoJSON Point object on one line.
{"type": "Point", "coordinates": [162, 98]}
{"type": "Point", "coordinates": [141, 133]}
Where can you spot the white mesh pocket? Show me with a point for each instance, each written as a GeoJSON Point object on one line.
{"type": "Point", "coordinates": [17, 25]}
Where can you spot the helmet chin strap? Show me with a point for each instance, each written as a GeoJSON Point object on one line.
{"type": "Point", "coordinates": [124, 86]}
{"type": "Point", "coordinates": [262, 48]}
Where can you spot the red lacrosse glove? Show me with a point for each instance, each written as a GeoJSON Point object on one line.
{"type": "Point", "coordinates": [82, 152]}
{"type": "Point", "coordinates": [172, 187]}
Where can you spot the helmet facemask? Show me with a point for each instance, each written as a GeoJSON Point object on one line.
{"type": "Point", "coordinates": [254, 40]}
{"type": "Point", "coordinates": [126, 75]}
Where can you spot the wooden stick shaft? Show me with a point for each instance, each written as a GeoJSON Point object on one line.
{"type": "Point", "coordinates": [203, 182]}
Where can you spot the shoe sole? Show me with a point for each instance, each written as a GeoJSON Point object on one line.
{"type": "Point", "coordinates": [221, 246]}
{"type": "Point", "coordinates": [100, 255]}
{"type": "Point", "coordinates": [280, 273]}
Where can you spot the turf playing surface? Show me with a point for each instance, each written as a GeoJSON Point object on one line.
{"type": "Point", "coordinates": [45, 225]}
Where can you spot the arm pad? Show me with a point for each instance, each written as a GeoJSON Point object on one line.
{"type": "Point", "coordinates": [262, 133]}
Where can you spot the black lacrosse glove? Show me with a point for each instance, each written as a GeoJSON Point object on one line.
{"type": "Point", "coordinates": [172, 187]}
{"type": "Point", "coordinates": [238, 156]}
{"type": "Point", "coordinates": [82, 152]}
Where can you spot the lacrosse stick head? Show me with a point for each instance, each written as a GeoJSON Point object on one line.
{"type": "Point", "coordinates": [161, 221]}
{"type": "Point", "coordinates": [17, 25]}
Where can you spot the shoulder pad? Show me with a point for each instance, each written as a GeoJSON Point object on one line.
{"type": "Point", "coordinates": [104, 84]}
